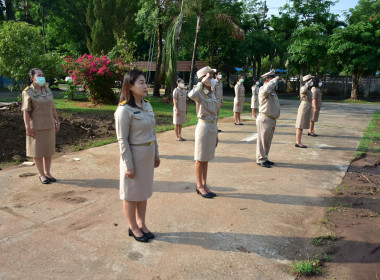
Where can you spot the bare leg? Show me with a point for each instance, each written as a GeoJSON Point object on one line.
{"type": "Point", "coordinates": [238, 117]}
{"type": "Point", "coordinates": [179, 131]}
{"type": "Point", "coordinates": [47, 165]}
{"type": "Point", "coordinates": [39, 162]}
{"type": "Point", "coordinates": [140, 215]}
{"type": "Point", "coordinates": [311, 130]}
{"type": "Point", "coordinates": [199, 176]}
{"type": "Point", "coordinates": [235, 117]}
{"type": "Point", "coordinates": [130, 209]}
{"type": "Point", "coordinates": [298, 136]}
{"type": "Point", "coordinates": [176, 131]}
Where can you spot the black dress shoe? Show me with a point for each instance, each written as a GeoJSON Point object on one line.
{"type": "Point", "coordinates": [264, 164]}
{"type": "Point", "coordinates": [313, 135]}
{"type": "Point", "coordinates": [241, 123]}
{"type": "Point", "coordinates": [300, 146]}
{"type": "Point", "coordinates": [270, 162]}
{"type": "Point", "coordinates": [149, 235]}
{"type": "Point", "coordinates": [207, 195]}
{"type": "Point", "coordinates": [219, 130]}
{"type": "Point", "coordinates": [142, 238]}
{"type": "Point", "coordinates": [51, 179]}
{"type": "Point", "coordinates": [46, 181]}
{"type": "Point", "coordinates": [212, 193]}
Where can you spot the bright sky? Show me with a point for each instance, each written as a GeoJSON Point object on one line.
{"type": "Point", "coordinates": [338, 8]}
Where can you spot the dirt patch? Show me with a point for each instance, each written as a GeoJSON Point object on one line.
{"type": "Point", "coordinates": [354, 220]}
{"type": "Point", "coordinates": [77, 130]}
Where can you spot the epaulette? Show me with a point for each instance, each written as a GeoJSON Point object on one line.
{"type": "Point", "coordinates": [26, 88]}
{"type": "Point", "coordinates": [146, 100]}
{"type": "Point", "coordinates": [122, 103]}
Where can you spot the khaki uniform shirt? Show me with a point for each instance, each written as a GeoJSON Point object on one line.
{"type": "Point", "coordinates": [134, 126]}
{"type": "Point", "coordinates": [41, 107]}
{"type": "Point", "coordinates": [268, 99]}
{"type": "Point", "coordinates": [239, 91]}
{"type": "Point", "coordinates": [180, 95]}
{"type": "Point", "coordinates": [206, 102]}
{"type": "Point", "coordinates": [316, 91]}
{"type": "Point", "coordinates": [218, 90]}
{"type": "Point", "coordinates": [305, 94]}
{"type": "Point", "coordinates": [255, 96]}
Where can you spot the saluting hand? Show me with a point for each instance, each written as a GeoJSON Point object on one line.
{"type": "Point", "coordinates": [157, 162]}
{"type": "Point", "coordinates": [130, 174]}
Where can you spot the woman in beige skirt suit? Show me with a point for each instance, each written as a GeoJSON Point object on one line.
{"type": "Point", "coordinates": [206, 132]}
{"type": "Point", "coordinates": [239, 100]}
{"type": "Point", "coordinates": [255, 99]}
{"type": "Point", "coordinates": [41, 124]}
{"type": "Point", "coordinates": [179, 108]}
{"type": "Point", "coordinates": [304, 110]}
{"type": "Point", "coordinates": [317, 103]}
{"type": "Point", "coordinates": [135, 130]}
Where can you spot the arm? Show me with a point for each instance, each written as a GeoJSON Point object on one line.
{"type": "Point", "coordinates": [29, 131]}
{"type": "Point", "coordinates": [237, 94]}
{"type": "Point", "coordinates": [57, 122]}
{"type": "Point", "coordinates": [194, 94]}
{"type": "Point", "coordinates": [26, 108]}
{"type": "Point", "coordinates": [122, 124]}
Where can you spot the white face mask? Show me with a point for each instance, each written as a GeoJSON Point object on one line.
{"type": "Point", "coordinates": [213, 82]}
{"type": "Point", "coordinates": [311, 84]}
{"type": "Point", "coordinates": [219, 76]}
{"type": "Point", "coordinates": [320, 84]}
{"type": "Point", "coordinates": [181, 85]}
{"type": "Point", "coordinates": [257, 83]}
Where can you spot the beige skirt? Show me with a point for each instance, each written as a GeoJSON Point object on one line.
{"type": "Point", "coordinates": [240, 108]}
{"type": "Point", "coordinates": [139, 188]}
{"type": "Point", "coordinates": [315, 115]}
{"type": "Point", "coordinates": [205, 141]}
{"type": "Point", "coordinates": [304, 115]}
{"type": "Point", "coordinates": [42, 144]}
{"type": "Point", "coordinates": [181, 119]}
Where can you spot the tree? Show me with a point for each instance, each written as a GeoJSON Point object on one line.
{"type": "Point", "coordinates": [357, 47]}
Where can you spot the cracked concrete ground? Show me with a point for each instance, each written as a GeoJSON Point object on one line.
{"type": "Point", "coordinates": [261, 220]}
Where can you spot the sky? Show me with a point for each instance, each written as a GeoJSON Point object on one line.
{"type": "Point", "coordinates": [338, 8]}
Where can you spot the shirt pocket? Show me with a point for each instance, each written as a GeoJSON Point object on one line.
{"type": "Point", "coordinates": [138, 116]}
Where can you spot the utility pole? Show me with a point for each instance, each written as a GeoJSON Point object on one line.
{"type": "Point", "coordinates": [265, 10]}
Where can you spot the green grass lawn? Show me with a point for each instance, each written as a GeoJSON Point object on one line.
{"type": "Point", "coordinates": [371, 138]}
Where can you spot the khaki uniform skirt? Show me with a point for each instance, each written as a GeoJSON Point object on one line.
{"type": "Point", "coordinates": [314, 115]}
{"type": "Point", "coordinates": [42, 144]}
{"type": "Point", "coordinates": [239, 109]}
{"type": "Point", "coordinates": [181, 119]}
{"type": "Point", "coordinates": [304, 115]}
{"type": "Point", "coordinates": [139, 188]}
{"type": "Point", "coordinates": [205, 141]}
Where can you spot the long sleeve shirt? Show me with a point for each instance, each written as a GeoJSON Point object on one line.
{"type": "Point", "coordinates": [206, 102]}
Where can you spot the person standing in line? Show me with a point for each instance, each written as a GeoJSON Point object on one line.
{"type": "Point", "coordinates": [206, 132]}
{"type": "Point", "coordinates": [266, 121]}
{"type": "Point", "coordinates": [239, 99]}
{"type": "Point", "coordinates": [255, 99]}
{"type": "Point", "coordinates": [179, 108]}
{"type": "Point", "coordinates": [135, 130]}
{"type": "Point", "coordinates": [317, 103]}
{"type": "Point", "coordinates": [304, 110]}
{"type": "Point", "coordinates": [41, 124]}
{"type": "Point", "coordinates": [218, 90]}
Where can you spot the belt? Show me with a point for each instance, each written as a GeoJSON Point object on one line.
{"type": "Point", "coordinates": [273, 118]}
{"type": "Point", "coordinates": [143, 144]}
{"type": "Point", "coordinates": [206, 121]}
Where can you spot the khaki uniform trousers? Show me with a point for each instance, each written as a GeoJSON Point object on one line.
{"type": "Point", "coordinates": [265, 130]}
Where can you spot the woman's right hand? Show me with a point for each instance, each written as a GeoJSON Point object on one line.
{"type": "Point", "coordinates": [177, 113]}
{"type": "Point", "coordinates": [130, 173]}
{"type": "Point", "coordinates": [29, 132]}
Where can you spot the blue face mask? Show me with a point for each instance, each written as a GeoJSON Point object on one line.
{"type": "Point", "coordinates": [40, 81]}
{"type": "Point", "coordinates": [241, 80]}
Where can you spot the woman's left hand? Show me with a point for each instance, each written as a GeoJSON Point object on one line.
{"type": "Point", "coordinates": [157, 162]}
{"type": "Point", "coordinates": [57, 127]}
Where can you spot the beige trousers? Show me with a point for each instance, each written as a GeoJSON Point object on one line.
{"type": "Point", "coordinates": [265, 130]}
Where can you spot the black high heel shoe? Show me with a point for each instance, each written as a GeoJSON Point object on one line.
{"type": "Point", "coordinates": [207, 195]}
{"type": "Point", "coordinates": [140, 239]}
{"type": "Point", "coordinates": [148, 234]}
{"type": "Point", "coordinates": [51, 179]}
{"type": "Point", "coordinates": [46, 181]}
{"type": "Point", "coordinates": [210, 192]}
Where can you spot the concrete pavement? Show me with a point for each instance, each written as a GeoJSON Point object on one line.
{"type": "Point", "coordinates": [261, 220]}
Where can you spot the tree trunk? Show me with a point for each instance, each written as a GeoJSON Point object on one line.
{"type": "Point", "coordinates": [355, 86]}
{"type": "Point", "coordinates": [254, 72]}
{"type": "Point", "coordinates": [192, 70]}
{"type": "Point", "coordinates": [157, 84]}
{"type": "Point", "coordinates": [303, 72]}
{"type": "Point", "coordinates": [28, 17]}
{"type": "Point", "coordinates": [258, 59]}
{"type": "Point", "coordinates": [43, 25]}
{"type": "Point", "coordinates": [9, 10]}
{"type": "Point", "coordinates": [368, 91]}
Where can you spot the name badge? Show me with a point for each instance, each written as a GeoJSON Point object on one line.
{"type": "Point", "coordinates": [137, 112]}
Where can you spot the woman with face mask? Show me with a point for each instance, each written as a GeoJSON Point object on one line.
{"type": "Point", "coordinates": [206, 132]}
{"type": "Point", "coordinates": [179, 108]}
{"type": "Point", "coordinates": [317, 103]}
{"type": "Point", "coordinates": [41, 123]}
{"type": "Point", "coordinates": [304, 110]}
{"type": "Point", "coordinates": [255, 99]}
{"type": "Point", "coordinates": [239, 99]}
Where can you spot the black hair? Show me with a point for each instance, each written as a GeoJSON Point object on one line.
{"type": "Point", "coordinates": [31, 74]}
{"type": "Point", "coordinates": [240, 76]}
{"type": "Point", "coordinates": [316, 82]}
{"type": "Point", "coordinates": [129, 80]}
{"type": "Point", "coordinates": [179, 80]}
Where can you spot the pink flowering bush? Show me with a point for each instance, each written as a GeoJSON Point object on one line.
{"type": "Point", "coordinates": [98, 75]}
